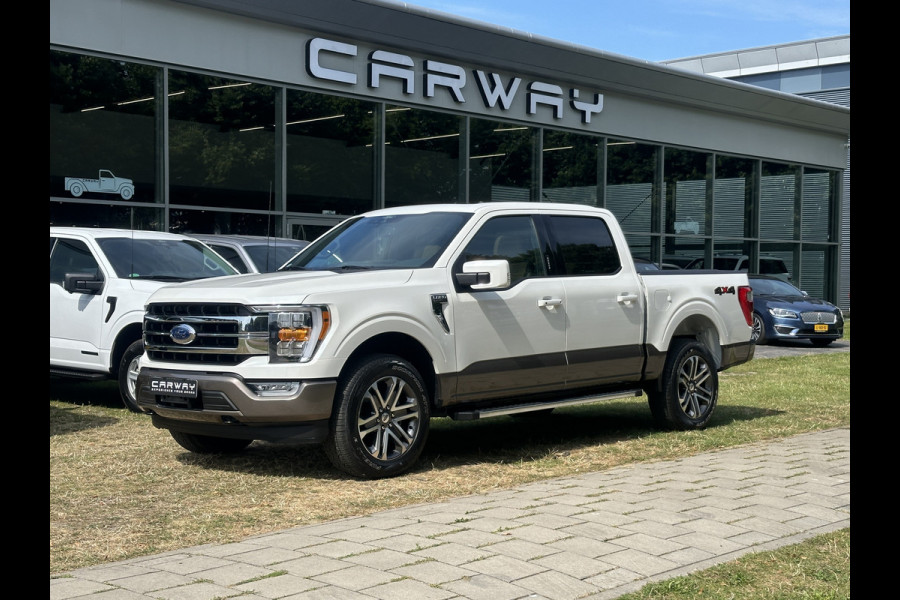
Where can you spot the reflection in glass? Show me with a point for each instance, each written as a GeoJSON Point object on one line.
{"type": "Point", "coordinates": [421, 157]}
{"type": "Point", "coordinates": [778, 201]}
{"type": "Point", "coordinates": [570, 168]}
{"type": "Point", "coordinates": [69, 214]}
{"type": "Point", "coordinates": [631, 183]}
{"type": "Point", "coordinates": [102, 116]}
{"type": "Point", "coordinates": [688, 191]}
{"type": "Point", "coordinates": [330, 154]}
{"type": "Point", "coordinates": [230, 222]}
{"type": "Point", "coordinates": [499, 161]}
{"type": "Point", "coordinates": [733, 196]}
{"type": "Point", "coordinates": [221, 142]}
{"type": "Point", "coordinates": [815, 270]}
{"type": "Point", "coordinates": [819, 201]}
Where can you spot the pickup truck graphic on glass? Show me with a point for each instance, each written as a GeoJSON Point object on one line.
{"type": "Point", "coordinates": [106, 183]}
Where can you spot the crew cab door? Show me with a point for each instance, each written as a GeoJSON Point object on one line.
{"type": "Point", "coordinates": [509, 341]}
{"type": "Point", "coordinates": [604, 301]}
{"type": "Point", "coordinates": [76, 318]}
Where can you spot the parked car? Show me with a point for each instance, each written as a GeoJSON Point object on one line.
{"type": "Point", "coordinates": [643, 265]}
{"type": "Point", "coordinates": [768, 265]}
{"type": "Point", "coordinates": [677, 261]}
{"type": "Point", "coordinates": [783, 312]}
{"type": "Point", "coordinates": [253, 253]}
{"type": "Point", "coordinates": [100, 279]}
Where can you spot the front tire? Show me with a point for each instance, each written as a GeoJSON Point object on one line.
{"type": "Point", "coordinates": [127, 375]}
{"type": "Point", "coordinates": [381, 418]}
{"type": "Point", "coordinates": [689, 388]}
{"type": "Point", "coordinates": [758, 333]}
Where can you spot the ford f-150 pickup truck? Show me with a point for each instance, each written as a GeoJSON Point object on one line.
{"type": "Point", "coordinates": [465, 311]}
{"type": "Point", "coordinates": [100, 279]}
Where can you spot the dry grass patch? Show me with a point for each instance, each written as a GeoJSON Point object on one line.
{"type": "Point", "coordinates": [120, 488]}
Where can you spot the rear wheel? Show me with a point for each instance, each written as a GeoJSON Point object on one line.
{"type": "Point", "coordinates": [381, 418]}
{"type": "Point", "coordinates": [689, 388]}
{"type": "Point", "coordinates": [204, 444]}
{"type": "Point", "coordinates": [127, 375]}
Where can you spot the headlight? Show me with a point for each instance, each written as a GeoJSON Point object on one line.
{"type": "Point", "coordinates": [295, 331]}
{"type": "Point", "coordinates": [783, 313]}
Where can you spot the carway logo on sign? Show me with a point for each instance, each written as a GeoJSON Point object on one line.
{"type": "Point", "coordinates": [342, 65]}
{"type": "Point", "coordinates": [174, 387]}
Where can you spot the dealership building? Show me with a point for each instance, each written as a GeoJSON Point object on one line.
{"type": "Point", "coordinates": [278, 117]}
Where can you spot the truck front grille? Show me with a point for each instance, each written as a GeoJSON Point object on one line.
{"type": "Point", "coordinates": [220, 334]}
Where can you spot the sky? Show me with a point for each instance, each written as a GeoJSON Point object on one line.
{"type": "Point", "coordinates": [658, 30]}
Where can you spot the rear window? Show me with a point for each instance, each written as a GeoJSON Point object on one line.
{"type": "Point", "coordinates": [584, 245]}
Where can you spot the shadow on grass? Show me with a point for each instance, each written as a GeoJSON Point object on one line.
{"type": "Point", "coordinates": [82, 392]}
{"type": "Point", "coordinates": [497, 440]}
{"type": "Point", "coordinates": [78, 393]}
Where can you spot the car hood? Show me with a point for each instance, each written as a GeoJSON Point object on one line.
{"type": "Point", "coordinates": [798, 302]}
{"type": "Point", "coordinates": [279, 287]}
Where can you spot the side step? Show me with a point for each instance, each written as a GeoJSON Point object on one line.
{"type": "Point", "coordinates": [484, 413]}
{"type": "Point", "coordinates": [89, 375]}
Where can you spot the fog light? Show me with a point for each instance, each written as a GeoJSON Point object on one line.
{"type": "Point", "coordinates": [269, 389]}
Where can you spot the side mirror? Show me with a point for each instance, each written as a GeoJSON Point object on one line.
{"type": "Point", "coordinates": [83, 283]}
{"type": "Point", "coordinates": [484, 274]}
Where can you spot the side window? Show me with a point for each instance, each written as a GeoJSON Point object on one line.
{"type": "Point", "coordinates": [231, 255]}
{"type": "Point", "coordinates": [511, 238]}
{"type": "Point", "coordinates": [70, 256]}
{"type": "Point", "coordinates": [584, 245]}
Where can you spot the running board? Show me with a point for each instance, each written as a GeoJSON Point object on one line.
{"type": "Point", "coordinates": [484, 413]}
{"type": "Point", "coordinates": [78, 374]}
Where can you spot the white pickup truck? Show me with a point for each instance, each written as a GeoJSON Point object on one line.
{"type": "Point", "coordinates": [100, 280]}
{"type": "Point", "coordinates": [464, 311]}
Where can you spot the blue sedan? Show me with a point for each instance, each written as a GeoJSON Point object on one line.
{"type": "Point", "coordinates": [783, 312]}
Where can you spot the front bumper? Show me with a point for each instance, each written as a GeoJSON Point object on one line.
{"type": "Point", "coordinates": [795, 329]}
{"type": "Point", "coordinates": [224, 402]}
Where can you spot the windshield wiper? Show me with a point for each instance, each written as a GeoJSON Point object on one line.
{"type": "Point", "coordinates": [161, 277]}
{"type": "Point", "coordinates": [352, 268]}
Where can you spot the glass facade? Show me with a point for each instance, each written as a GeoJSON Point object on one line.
{"type": "Point", "coordinates": [215, 154]}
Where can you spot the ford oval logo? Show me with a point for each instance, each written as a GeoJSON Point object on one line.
{"type": "Point", "coordinates": [183, 334]}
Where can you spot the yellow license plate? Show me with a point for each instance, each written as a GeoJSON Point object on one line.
{"type": "Point", "coordinates": [821, 327]}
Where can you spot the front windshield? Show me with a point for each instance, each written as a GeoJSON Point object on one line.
{"type": "Point", "coordinates": [382, 242]}
{"type": "Point", "coordinates": [165, 260]}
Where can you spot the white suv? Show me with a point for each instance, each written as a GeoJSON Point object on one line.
{"type": "Point", "coordinates": [99, 282]}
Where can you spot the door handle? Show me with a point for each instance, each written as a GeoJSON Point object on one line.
{"type": "Point", "coordinates": [626, 298]}
{"type": "Point", "coordinates": [549, 303]}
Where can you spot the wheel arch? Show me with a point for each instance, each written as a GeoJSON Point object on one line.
{"type": "Point", "coordinates": [403, 345]}
{"type": "Point", "coordinates": [695, 326]}
{"type": "Point", "coordinates": [126, 336]}
{"type": "Point", "coordinates": [703, 329]}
